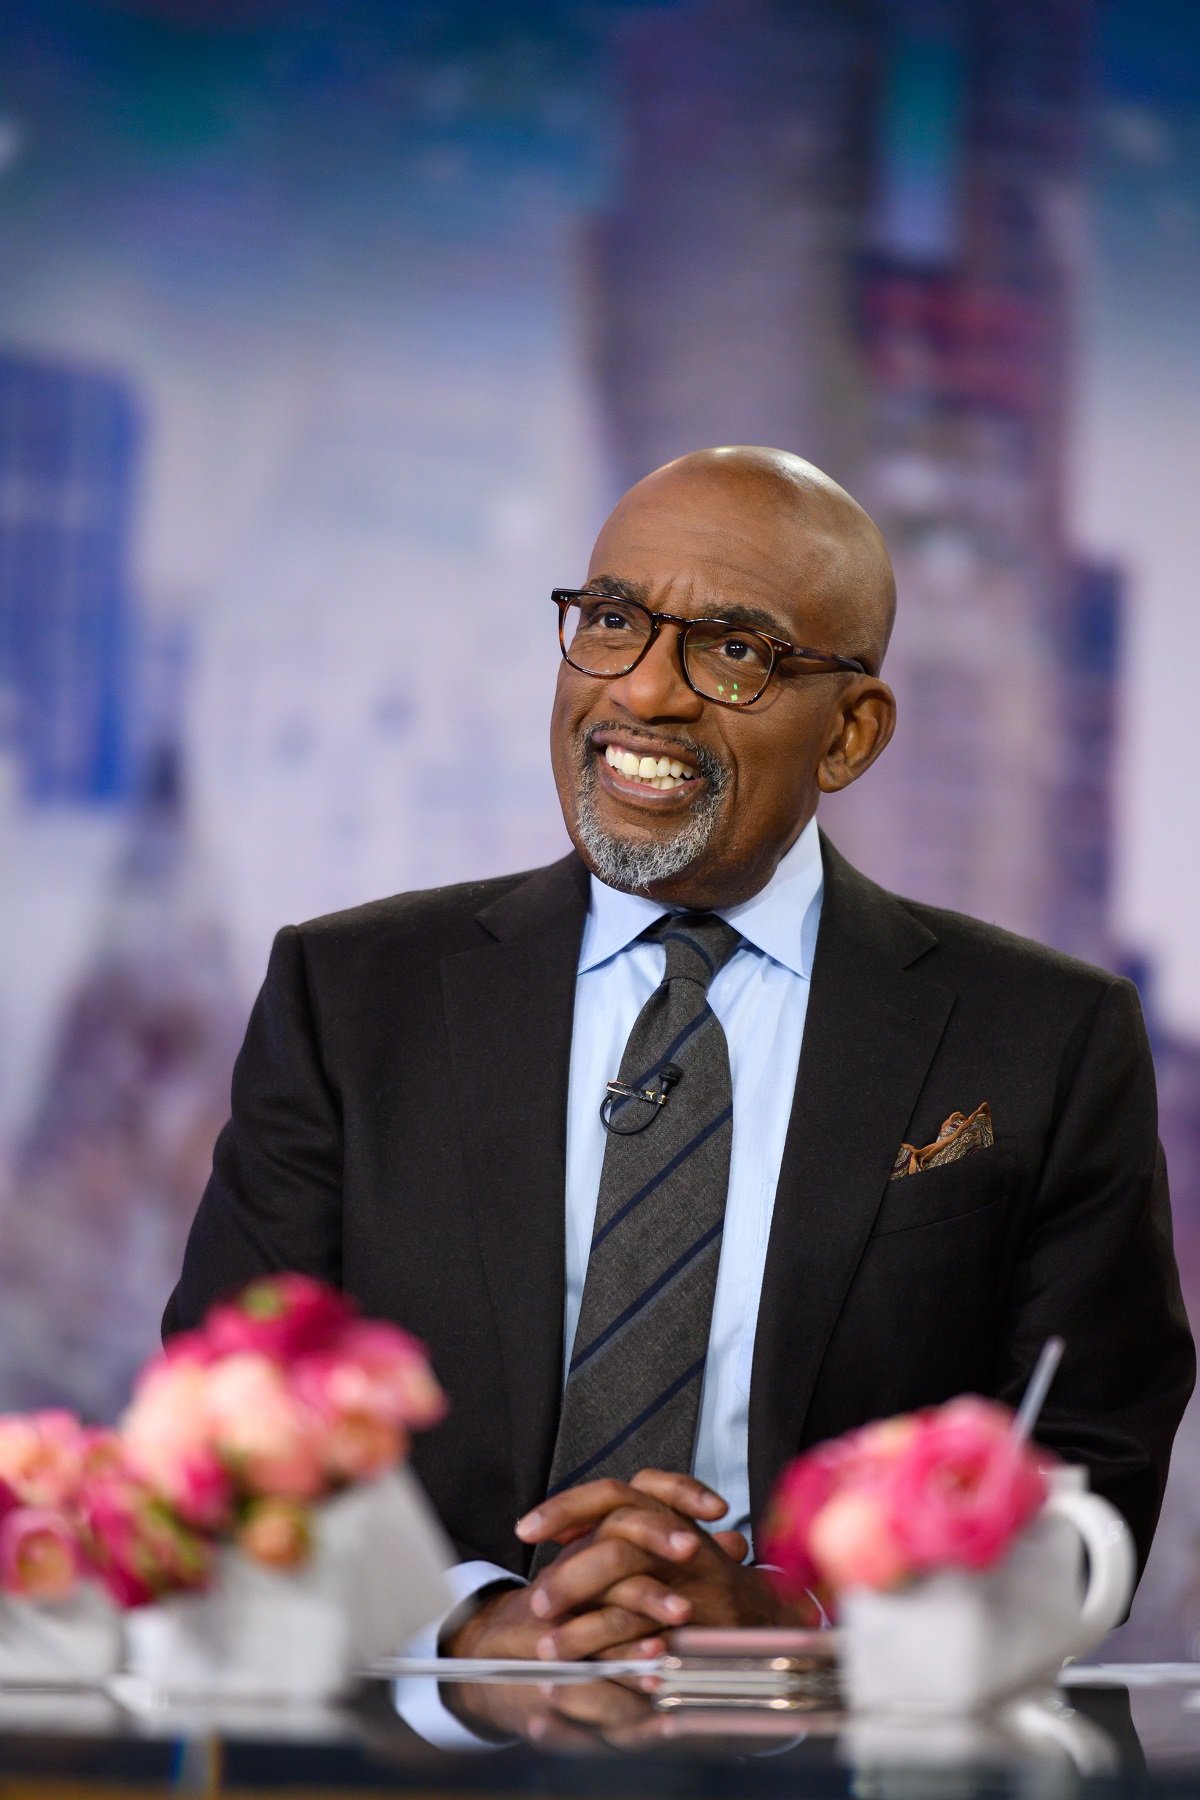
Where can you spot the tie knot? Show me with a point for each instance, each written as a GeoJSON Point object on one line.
{"type": "Point", "coordinates": [697, 945]}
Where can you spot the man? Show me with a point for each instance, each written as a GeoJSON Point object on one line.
{"type": "Point", "coordinates": [770, 1236]}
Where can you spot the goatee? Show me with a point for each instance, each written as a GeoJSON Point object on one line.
{"type": "Point", "coordinates": [636, 864]}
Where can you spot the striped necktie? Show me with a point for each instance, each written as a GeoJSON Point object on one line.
{"type": "Point", "coordinates": [633, 1388]}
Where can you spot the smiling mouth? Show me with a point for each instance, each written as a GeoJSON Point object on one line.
{"type": "Point", "coordinates": [635, 830]}
{"type": "Point", "coordinates": [661, 773]}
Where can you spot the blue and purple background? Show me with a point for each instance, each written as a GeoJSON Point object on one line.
{"type": "Point", "coordinates": [328, 334]}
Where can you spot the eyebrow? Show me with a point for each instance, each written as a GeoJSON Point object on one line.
{"type": "Point", "coordinates": [735, 613]}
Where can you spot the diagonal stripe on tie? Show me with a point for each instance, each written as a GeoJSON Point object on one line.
{"type": "Point", "coordinates": [670, 1053]}
{"type": "Point", "coordinates": [651, 1293]}
{"type": "Point", "coordinates": [591, 1468]}
{"type": "Point", "coordinates": [702, 1136]}
{"type": "Point", "coordinates": [633, 1388]}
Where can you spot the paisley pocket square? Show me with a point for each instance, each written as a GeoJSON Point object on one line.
{"type": "Point", "coordinates": [961, 1135]}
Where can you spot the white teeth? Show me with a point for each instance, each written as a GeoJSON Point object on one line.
{"type": "Point", "coordinates": [661, 772]}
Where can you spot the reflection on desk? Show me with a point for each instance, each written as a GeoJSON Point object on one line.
{"type": "Point", "coordinates": [602, 1737]}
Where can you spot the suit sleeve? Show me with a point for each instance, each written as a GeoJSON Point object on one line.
{"type": "Point", "coordinates": [1098, 1268]}
{"type": "Point", "coordinates": [274, 1199]}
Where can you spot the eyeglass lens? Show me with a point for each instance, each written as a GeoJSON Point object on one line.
{"type": "Point", "coordinates": [606, 637]}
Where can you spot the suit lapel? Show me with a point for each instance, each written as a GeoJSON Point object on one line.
{"type": "Point", "coordinates": [509, 1006]}
{"type": "Point", "coordinates": [870, 1034]}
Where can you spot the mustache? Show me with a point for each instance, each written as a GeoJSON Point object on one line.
{"type": "Point", "coordinates": [704, 760]}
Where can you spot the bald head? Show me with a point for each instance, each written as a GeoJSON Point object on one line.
{"type": "Point", "coordinates": [753, 733]}
{"type": "Point", "coordinates": [830, 547]}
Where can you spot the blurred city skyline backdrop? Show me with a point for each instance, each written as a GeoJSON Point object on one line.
{"type": "Point", "coordinates": [328, 335]}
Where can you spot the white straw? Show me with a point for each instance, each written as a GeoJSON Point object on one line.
{"type": "Point", "coordinates": [1039, 1385]}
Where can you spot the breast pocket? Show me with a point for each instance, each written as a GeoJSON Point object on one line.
{"type": "Point", "coordinates": [979, 1180]}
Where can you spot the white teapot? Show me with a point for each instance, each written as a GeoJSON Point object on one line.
{"type": "Point", "coordinates": [956, 1641]}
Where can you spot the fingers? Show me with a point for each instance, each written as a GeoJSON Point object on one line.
{"type": "Point", "coordinates": [658, 1532]}
{"type": "Point", "coordinates": [573, 1583]}
{"type": "Point", "coordinates": [579, 1509]}
{"type": "Point", "coordinates": [582, 1508]}
{"type": "Point", "coordinates": [664, 1536]}
{"type": "Point", "coordinates": [643, 1594]}
{"type": "Point", "coordinates": [683, 1492]}
{"type": "Point", "coordinates": [608, 1628]}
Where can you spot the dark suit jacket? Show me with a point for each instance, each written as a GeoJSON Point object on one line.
{"type": "Point", "coordinates": [399, 1122]}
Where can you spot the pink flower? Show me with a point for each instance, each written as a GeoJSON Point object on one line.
{"type": "Point", "coordinates": [374, 1371]}
{"type": "Point", "coordinates": [41, 1456]}
{"type": "Point", "coordinates": [168, 1439]}
{"type": "Point", "coordinates": [875, 1449]}
{"type": "Point", "coordinates": [277, 1533]}
{"type": "Point", "coordinates": [136, 1546]}
{"type": "Point", "coordinates": [367, 1391]}
{"type": "Point", "coordinates": [263, 1431]}
{"type": "Point", "coordinates": [284, 1316]}
{"type": "Point", "coordinates": [964, 1487]}
{"type": "Point", "coordinates": [186, 1346]}
{"type": "Point", "coordinates": [946, 1488]}
{"type": "Point", "coordinates": [853, 1542]}
{"type": "Point", "coordinates": [359, 1435]}
{"type": "Point", "coordinates": [360, 1448]}
{"type": "Point", "coordinates": [398, 1368]}
{"type": "Point", "coordinates": [805, 1486]}
{"type": "Point", "coordinates": [103, 1451]}
{"type": "Point", "coordinates": [860, 1460]}
{"type": "Point", "coordinates": [39, 1554]}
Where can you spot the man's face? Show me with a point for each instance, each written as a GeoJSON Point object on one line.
{"type": "Point", "coordinates": [701, 548]}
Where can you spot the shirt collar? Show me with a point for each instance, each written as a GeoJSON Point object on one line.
{"type": "Point", "coordinates": [781, 920]}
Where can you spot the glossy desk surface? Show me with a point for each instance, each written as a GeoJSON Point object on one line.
{"type": "Point", "coordinates": [1111, 1732]}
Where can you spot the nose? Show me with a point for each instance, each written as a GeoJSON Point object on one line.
{"type": "Point", "coordinates": [655, 688]}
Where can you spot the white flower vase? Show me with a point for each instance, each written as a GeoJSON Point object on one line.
{"type": "Point", "coordinates": [75, 1642]}
{"type": "Point", "coordinates": [957, 1642]}
{"type": "Point", "coordinates": [375, 1577]}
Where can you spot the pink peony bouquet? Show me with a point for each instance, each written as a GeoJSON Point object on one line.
{"type": "Point", "coordinates": [59, 1487]}
{"type": "Point", "coordinates": [135, 1546]}
{"type": "Point", "coordinates": [283, 1397]}
{"type": "Point", "coordinates": [946, 1488]}
{"type": "Point", "coordinates": [42, 1462]}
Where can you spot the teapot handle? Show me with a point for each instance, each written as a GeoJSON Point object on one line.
{"type": "Point", "coordinates": [1112, 1564]}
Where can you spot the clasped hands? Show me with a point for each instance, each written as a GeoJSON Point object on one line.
{"type": "Point", "coordinates": [636, 1560]}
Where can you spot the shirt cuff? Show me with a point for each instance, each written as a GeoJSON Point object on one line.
{"type": "Point", "coordinates": [417, 1698]}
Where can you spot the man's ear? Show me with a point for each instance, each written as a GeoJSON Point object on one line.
{"type": "Point", "coordinates": [862, 728]}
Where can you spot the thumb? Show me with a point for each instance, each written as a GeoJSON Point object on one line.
{"type": "Point", "coordinates": [733, 1544]}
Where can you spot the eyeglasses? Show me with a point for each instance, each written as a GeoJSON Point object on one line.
{"type": "Point", "coordinates": [606, 636]}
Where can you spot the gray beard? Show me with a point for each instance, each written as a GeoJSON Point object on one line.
{"type": "Point", "coordinates": [634, 865]}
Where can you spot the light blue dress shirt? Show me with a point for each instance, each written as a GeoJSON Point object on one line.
{"type": "Point", "coordinates": [761, 999]}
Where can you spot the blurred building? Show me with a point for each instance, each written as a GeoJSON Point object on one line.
{"type": "Point", "coordinates": [68, 449]}
{"type": "Point", "coordinates": [118, 1150]}
{"type": "Point", "coordinates": [120, 1017]}
{"type": "Point", "coordinates": [857, 231]}
{"type": "Point", "coordinates": [915, 165]}
{"type": "Point", "coordinates": [967, 303]}
{"type": "Point", "coordinates": [1089, 661]}
{"type": "Point", "coordinates": [724, 269]}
